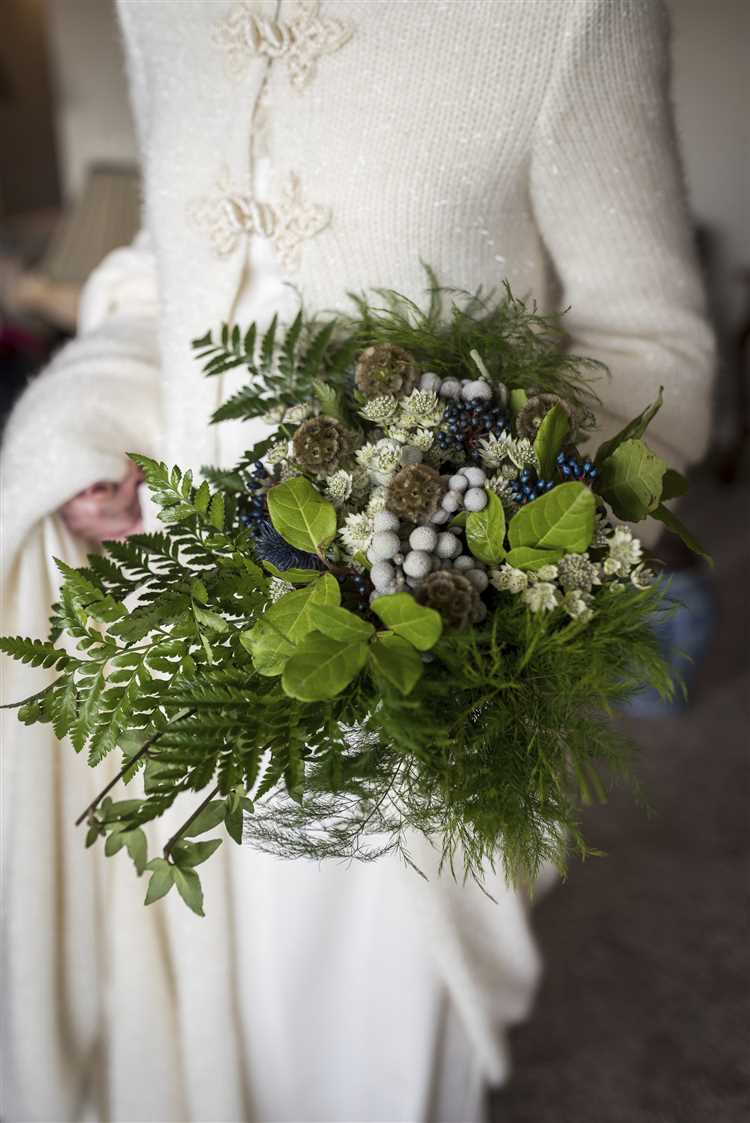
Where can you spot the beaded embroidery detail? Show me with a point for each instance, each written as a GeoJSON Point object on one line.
{"type": "Point", "coordinates": [300, 41]}
{"type": "Point", "coordinates": [230, 213]}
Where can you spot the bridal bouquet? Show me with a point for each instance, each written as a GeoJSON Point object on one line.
{"type": "Point", "coordinates": [413, 606]}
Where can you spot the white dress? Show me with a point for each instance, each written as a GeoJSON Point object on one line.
{"type": "Point", "coordinates": [338, 993]}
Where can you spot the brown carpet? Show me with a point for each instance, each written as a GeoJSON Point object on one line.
{"type": "Point", "coordinates": [644, 1012]}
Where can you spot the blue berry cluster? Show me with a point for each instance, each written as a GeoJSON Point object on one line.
{"type": "Point", "coordinates": [570, 468]}
{"type": "Point", "coordinates": [253, 505]}
{"type": "Point", "coordinates": [528, 486]}
{"type": "Point", "coordinates": [466, 423]}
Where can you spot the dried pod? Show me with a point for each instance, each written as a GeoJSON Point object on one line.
{"type": "Point", "coordinates": [385, 369]}
{"type": "Point", "coordinates": [415, 492]}
{"type": "Point", "coordinates": [453, 596]}
{"type": "Point", "coordinates": [532, 414]}
{"type": "Point", "coordinates": [322, 445]}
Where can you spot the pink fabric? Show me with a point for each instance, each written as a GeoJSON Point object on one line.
{"type": "Point", "coordinates": [106, 510]}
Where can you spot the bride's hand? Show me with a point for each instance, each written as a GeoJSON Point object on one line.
{"type": "Point", "coordinates": [107, 510]}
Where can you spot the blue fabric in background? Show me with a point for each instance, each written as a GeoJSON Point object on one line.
{"type": "Point", "coordinates": [684, 637]}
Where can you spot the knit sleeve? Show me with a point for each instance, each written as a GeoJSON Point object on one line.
{"type": "Point", "coordinates": [609, 198]}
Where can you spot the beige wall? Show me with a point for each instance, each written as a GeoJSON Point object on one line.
{"type": "Point", "coordinates": [93, 115]}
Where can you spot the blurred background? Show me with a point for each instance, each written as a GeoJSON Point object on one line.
{"type": "Point", "coordinates": [644, 1013]}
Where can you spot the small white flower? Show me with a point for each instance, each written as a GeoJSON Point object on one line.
{"type": "Point", "coordinates": [422, 408]}
{"type": "Point", "coordinates": [277, 452]}
{"type": "Point", "coordinates": [339, 487]}
{"type": "Point", "coordinates": [423, 440]}
{"type": "Point", "coordinates": [384, 460]}
{"type": "Point", "coordinates": [376, 502]}
{"type": "Point", "coordinates": [274, 416]}
{"type": "Point", "coordinates": [278, 588]}
{"type": "Point", "coordinates": [365, 455]}
{"type": "Point", "coordinates": [578, 605]}
{"type": "Point", "coordinates": [546, 573]}
{"type": "Point", "coordinates": [508, 579]}
{"type": "Point", "coordinates": [642, 577]}
{"type": "Point", "coordinates": [296, 414]}
{"type": "Point", "coordinates": [541, 597]}
{"type": "Point", "coordinates": [398, 433]}
{"type": "Point", "coordinates": [521, 452]}
{"type": "Point", "coordinates": [576, 571]}
{"type": "Point", "coordinates": [356, 533]}
{"type": "Point", "coordinates": [380, 410]}
{"type": "Point", "coordinates": [624, 551]}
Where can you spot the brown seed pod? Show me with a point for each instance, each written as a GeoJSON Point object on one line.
{"type": "Point", "coordinates": [385, 368]}
{"type": "Point", "coordinates": [415, 492]}
{"type": "Point", "coordinates": [453, 596]}
{"type": "Point", "coordinates": [322, 445]}
{"type": "Point", "coordinates": [533, 413]}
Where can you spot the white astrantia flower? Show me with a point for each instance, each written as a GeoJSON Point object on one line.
{"type": "Point", "coordinates": [494, 450]}
{"type": "Point", "coordinates": [384, 461]}
{"type": "Point", "coordinates": [507, 453]}
{"type": "Point", "coordinates": [338, 487]}
{"type": "Point", "coordinates": [423, 439]}
{"type": "Point", "coordinates": [376, 502]}
{"type": "Point", "coordinates": [576, 571]}
{"type": "Point", "coordinates": [274, 416]}
{"type": "Point", "coordinates": [546, 573]}
{"type": "Point", "coordinates": [624, 552]}
{"type": "Point", "coordinates": [422, 409]}
{"type": "Point", "coordinates": [642, 577]}
{"type": "Point", "coordinates": [541, 597]}
{"type": "Point", "coordinates": [601, 532]}
{"type": "Point", "coordinates": [356, 533]}
{"type": "Point", "coordinates": [277, 452]}
{"type": "Point", "coordinates": [296, 414]}
{"type": "Point", "coordinates": [364, 455]}
{"type": "Point", "coordinates": [380, 410]}
{"type": "Point", "coordinates": [578, 605]}
{"type": "Point", "coordinates": [522, 454]}
{"type": "Point", "coordinates": [398, 433]}
{"type": "Point", "coordinates": [508, 579]}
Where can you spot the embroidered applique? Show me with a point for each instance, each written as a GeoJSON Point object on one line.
{"type": "Point", "coordinates": [230, 214]}
{"type": "Point", "coordinates": [301, 40]}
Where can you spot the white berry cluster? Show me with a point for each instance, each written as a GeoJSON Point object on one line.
{"type": "Point", "coordinates": [466, 492]}
{"type": "Point", "coordinates": [402, 555]}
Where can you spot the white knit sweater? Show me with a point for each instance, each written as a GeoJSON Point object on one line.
{"type": "Point", "coordinates": [490, 138]}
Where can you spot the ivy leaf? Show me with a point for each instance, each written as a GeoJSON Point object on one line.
{"type": "Point", "coordinates": [671, 522]}
{"type": "Point", "coordinates": [272, 641]}
{"type": "Point", "coordinates": [300, 514]}
{"type": "Point", "coordinates": [396, 661]}
{"type": "Point", "coordinates": [525, 557]}
{"type": "Point", "coordinates": [162, 880]}
{"type": "Point", "coordinates": [210, 816]}
{"type": "Point", "coordinates": [550, 438]}
{"type": "Point", "coordinates": [485, 530]}
{"type": "Point", "coordinates": [189, 854]}
{"type": "Point", "coordinates": [339, 623]}
{"type": "Point", "coordinates": [563, 519]}
{"type": "Point", "coordinates": [632, 431]}
{"type": "Point", "coordinates": [631, 480]}
{"type": "Point", "coordinates": [189, 887]}
{"type": "Point", "coordinates": [421, 626]}
{"type": "Point", "coordinates": [322, 667]}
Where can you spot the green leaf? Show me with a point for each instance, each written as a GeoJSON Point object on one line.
{"type": "Point", "coordinates": [563, 519]}
{"type": "Point", "coordinates": [189, 854]}
{"type": "Point", "coordinates": [209, 619]}
{"type": "Point", "coordinates": [339, 623]}
{"type": "Point", "coordinates": [485, 531]}
{"type": "Point", "coordinates": [210, 816]}
{"type": "Point", "coordinates": [137, 848]}
{"type": "Point", "coordinates": [293, 576]}
{"type": "Point", "coordinates": [631, 480]}
{"type": "Point", "coordinates": [421, 626]}
{"type": "Point", "coordinates": [322, 667]}
{"type": "Point", "coordinates": [115, 841]}
{"type": "Point", "coordinates": [162, 880]}
{"type": "Point", "coordinates": [233, 823]}
{"type": "Point", "coordinates": [633, 430]}
{"type": "Point", "coordinates": [459, 519]}
{"type": "Point", "coordinates": [189, 887]}
{"type": "Point", "coordinates": [673, 485]}
{"type": "Point", "coordinates": [300, 514]}
{"type": "Point", "coordinates": [216, 511]}
{"type": "Point", "coordinates": [271, 642]}
{"type": "Point", "coordinates": [518, 399]}
{"type": "Point", "coordinates": [671, 522]}
{"type": "Point", "coordinates": [329, 400]}
{"type": "Point", "coordinates": [294, 773]}
{"type": "Point", "coordinates": [396, 661]}
{"type": "Point", "coordinates": [550, 438]}
{"type": "Point", "coordinates": [525, 557]}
